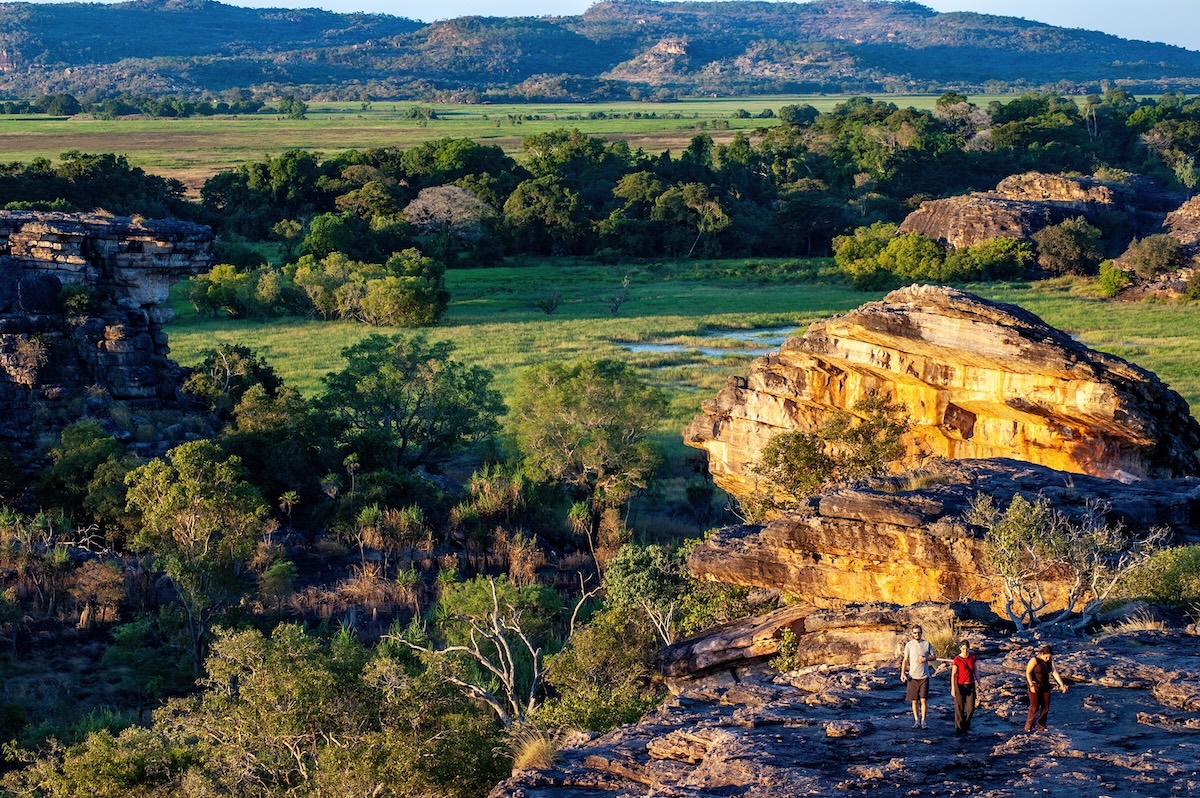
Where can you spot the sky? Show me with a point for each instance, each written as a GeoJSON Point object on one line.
{"type": "Point", "coordinates": [1171, 21]}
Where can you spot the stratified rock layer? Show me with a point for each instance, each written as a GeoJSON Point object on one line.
{"type": "Point", "coordinates": [1128, 726]}
{"type": "Point", "coordinates": [49, 352]}
{"type": "Point", "coordinates": [901, 539]}
{"type": "Point", "coordinates": [977, 379]}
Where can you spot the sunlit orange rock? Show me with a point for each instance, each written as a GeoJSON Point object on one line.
{"type": "Point", "coordinates": [977, 379]}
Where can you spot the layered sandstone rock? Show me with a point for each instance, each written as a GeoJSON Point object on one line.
{"type": "Point", "coordinates": [1021, 205]}
{"type": "Point", "coordinates": [977, 379]}
{"type": "Point", "coordinates": [1183, 224]}
{"type": "Point", "coordinates": [843, 636]}
{"type": "Point", "coordinates": [1127, 727]}
{"type": "Point", "coordinates": [52, 353]}
{"type": "Point", "coordinates": [901, 539]}
{"type": "Point", "coordinates": [131, 262]}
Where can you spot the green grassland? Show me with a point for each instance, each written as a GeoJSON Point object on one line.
{"type": "Point", "coordinates": [493, 323]}
{"type": "Point", "coordinates": [195, 148]}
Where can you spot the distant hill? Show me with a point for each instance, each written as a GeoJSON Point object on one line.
{"type": "Point", "coordinates": [617, 49]}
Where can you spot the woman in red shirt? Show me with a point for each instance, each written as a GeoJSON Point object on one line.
{"type": "Point", "coordinates": [964, 688]}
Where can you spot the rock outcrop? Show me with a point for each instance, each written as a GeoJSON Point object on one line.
{"type": "Point", "coordinates": [977, 379]}
{"type": "Point", "coordinates": [112, 336]}
{"type": "Point", "coordinates": [901, 539]}
{"type": "Point", "coordinates": [1183, 224]}
{"type": "Point", "coordinates": [1128, 726]}
{"type": "Point", "coordinates": [1021, 205]}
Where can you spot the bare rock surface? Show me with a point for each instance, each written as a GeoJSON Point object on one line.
{"type": "Point", "coordinates": [900, 539]}
{"type": "Point", "coordinates": [1183, 224]}
{"type": "Point", "coordinates": [1021, 205]}
{"type": "Point", "coordinates": [1127, 727]}
{"type": "Point", "coordinates": [977, 379]}
{"type": "Point", "coordinates": [52, 353]}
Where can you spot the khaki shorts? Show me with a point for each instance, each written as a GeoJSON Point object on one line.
{"type": "Point", "coordinates": [917, 688]}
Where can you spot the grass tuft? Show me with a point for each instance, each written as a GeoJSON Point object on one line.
{"type": "Point", "coordinates": [533, 748]}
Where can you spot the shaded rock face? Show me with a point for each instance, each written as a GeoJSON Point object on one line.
{"type": "Point", "coordinates": [48, 354]}
{"type": "Point", "coordinates": [1022, 205]}
{"type": "Point", "coordinates": [1183, 224]}
{"type": "Point", "coordinates": [976, 379]}
{"type": "Point", "coordinates": [1128, 726]}
{"type": "Point", "coordinates": [884, 541]}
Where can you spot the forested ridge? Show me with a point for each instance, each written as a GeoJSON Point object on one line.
{"type": "Point", "coordinates": [615, 50]}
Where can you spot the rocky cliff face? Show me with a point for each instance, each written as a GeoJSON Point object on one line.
{"type": "Point", "coordinates": [49, 352]}
{"type": "Point", "coordinates": [977, 379]}
{"type": "Point", "coordinates": [1183, 224]}
{"type": "Point", "coordinates": [901, 539]}
{"type": "Point", "coordinates": [1127, 727]}
{"type": "Point", "coordinates": [1022, 205]}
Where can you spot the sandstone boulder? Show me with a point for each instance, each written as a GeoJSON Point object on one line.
{"type": "Point", "coordinates": [977, 379]}
{"type": "Point", "coordinates": [901, 539]}
{"type": "Point", "coordinates": [1021, 205]}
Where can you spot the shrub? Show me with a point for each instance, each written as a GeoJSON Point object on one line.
{"type": "Point", "coordinates": [1071, 247]}
{"type": "Point", "coordinates": [1170, 576]}
{"type": "Point", "coordinates": [786, 659]}
{"type": "Point", "coordinates": [533, 749]}
{"type": "Point", "coordinates": [1113, 279]}
{"type": "Point", "coordinates": [1154, 255]}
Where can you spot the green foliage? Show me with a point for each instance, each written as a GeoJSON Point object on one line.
{"type": "Point", "coordinates": [586, 424]}
{"type": "Point", "coordinates": [858, 254]}
{"type": "Point", "coordinates": [1029, 541]}
{"type": "Point", "coordinates": [1112, 280]}
{"type": "Point", "coordinates": [201, 519]}
{"type": "Point", "coordinates": [650, 580]}
{"type": "Point", "coordinates": [1170, 576]}
{"type": "Point", "coordinates": [604, 677]}
{"type": "Point", "coordinates": [226, 373]}
{"type": "Point", "coordinates": [82, 470]}
{"type": "Point", "coordinates": [785, 659]}
{"type": "Point", "coordinates": [847, 446]}
{"type": "Point", "coordinates": [405, 402]}
{"type": "Point", "coordinates": [1070, 247]}
{"type": "Point", "coordinates": [1153, 255]}
{"type": "Point", "coordinates": [409, 290]}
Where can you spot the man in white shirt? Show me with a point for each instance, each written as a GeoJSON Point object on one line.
{"type": "Point", "coordinates": [915, 672]}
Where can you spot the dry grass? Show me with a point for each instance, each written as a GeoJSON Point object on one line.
{"type": "Point", "coordinates": [534, 749]}
{"type": "Point", "coordinates": [1140, 621]}
{"type": "Point", "coordinates": [945, 640]}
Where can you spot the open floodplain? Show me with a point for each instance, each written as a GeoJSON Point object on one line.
{"type": "Point", "coordinates": [494, 322]}
{"type": "Point", "coordinates": [195, 148]}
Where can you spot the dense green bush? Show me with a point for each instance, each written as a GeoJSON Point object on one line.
{"type": "Point", "coordinates": [1153, 255]}
{"type": "Point", "coordinates": [1070, 247]}
{"type": "Point", "coordinates": [1112, 279]}
{"type": "Point", "coordinates": [1170, 576]}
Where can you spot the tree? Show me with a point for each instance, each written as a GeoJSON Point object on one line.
{"type": "Point", "coordinates": [1029, 543]}
{"type": "Point", "coordinates": [861, 443]}
{"type": "Point", "coordinates": [405, 402]}
{"type": "Point", "coordinates": [1071, 247]}
{"type": "Point", "coordinates": [1153, 255]}
{"type": "Point", "coordinates": [293, 107]}
{"type": "Point", "coordinates": [200, 519]}
{"type": "Point", "coordinates": [650, 580]}
{"type": "Point", "coordinates": [451, 215]}
{"type": "Point", "coordinates": [226, 373]}
{"type": "Point", "coordinates": [587, 424]}
{"type": "Point", "coordinates": [498, 642]}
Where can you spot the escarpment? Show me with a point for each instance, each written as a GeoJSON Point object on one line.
{"type": "Point", "coordinates": [976, 379]}
{"type": "Point", "coordinates": [81, 307]}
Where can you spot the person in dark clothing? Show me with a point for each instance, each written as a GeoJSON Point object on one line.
{"type": "Point", "coordinates": [1038, 674]}
{"type": "Point", "coordinates": [964, 688]}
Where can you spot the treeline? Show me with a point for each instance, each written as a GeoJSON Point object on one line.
{"type": "Point", "coordinates": [126, 104]}
{"type": "Point", "coordinates": [785, 190]}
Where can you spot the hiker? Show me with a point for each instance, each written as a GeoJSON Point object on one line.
{"type": "Point", "coordinates": [1038, 674]}
{"type": "Point", "coordinates": [915, 673]}
{"type": "Point", "coordinates": [964, 687]}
